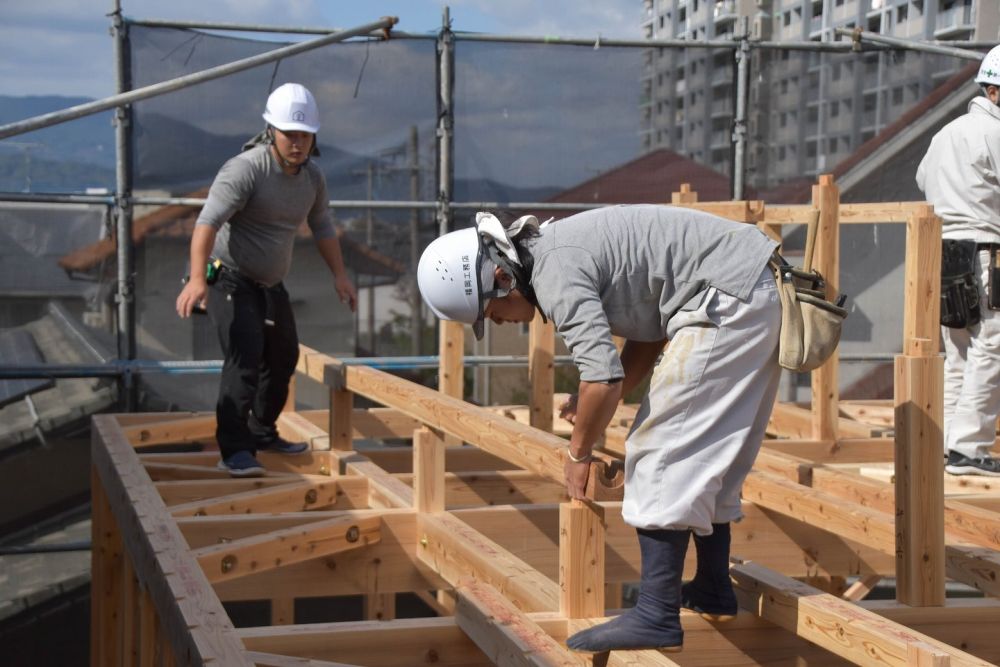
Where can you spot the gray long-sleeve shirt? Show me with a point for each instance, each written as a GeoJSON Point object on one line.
{"type": "Point", "coordinates": [257, 209]}
{"type": "Point", "coordinates": [626, 270]}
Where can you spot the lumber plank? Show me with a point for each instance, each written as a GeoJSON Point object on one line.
{"type": "Point", "coordinates": [341, 417]}
{"type": "Point", "coordinates": [194, 427]}
{"type": "Point", "coordinates": [789, 420]}
{"type": "Point", "coordinates": [249, 555]}
{"type": "Point", "coordinates": [509, 487]}
{"type": "Point", "coordinates": [428, 471]}
{"type": "Point", "coordinates": [541, 371]}
{"type": "Point", "coordinates": [839, 626]}
{"type": "Point", "coordinates": [294, 496]}
{"type": "Point", "coordinates": [845, 450]}
{"type": "Point", "coordinates": [581, 560]}
{"type": "Point", "coordinates": [504, 633]}
{"type": "Point", "coordinates": [106, 562]}
{"type": "Point", "coordinates": [969, 623]}
{"type": "Point", "coordinates": [261, 659]}
{"type": "Point", "coordinates": [457, 553]}
{"type": "Point", "coordinates": [394, 643]}
{"type": "Point", "coordinates": [176, 492]}
{"type": "Point", "coordinates": [819, 508]}
{"type": "Point", "coordinates": [922, 293]}
{"type": "Point", "coordinates": [384, 490]}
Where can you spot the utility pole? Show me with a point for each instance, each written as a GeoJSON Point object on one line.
{"type": "Point", "coordinates": [416, 312]}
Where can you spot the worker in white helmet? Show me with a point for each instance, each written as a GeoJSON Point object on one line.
{"type": "Point", "coordinates": [241, 251]}
{"type": "Point", "coordinates": [960, 176]}
{"type": "Point", "coordinates": [649, 274]}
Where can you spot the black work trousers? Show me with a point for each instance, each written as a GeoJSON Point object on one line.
{"type": "Point", "coordinates": [260, 347]}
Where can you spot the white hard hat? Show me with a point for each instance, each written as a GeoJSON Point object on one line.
{"type": "Point", "coordinates": [989, 70]}
{"type": "Point", "coordinates": [454, 276]}
{"type": "Point", "coordinates": [292, 108]}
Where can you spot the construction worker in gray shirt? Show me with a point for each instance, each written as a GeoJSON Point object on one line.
{"type": "Point", "coordinates": [241, 251]}
{"type": "Point", "coordinates": [960, 176]}
{"type": "Point", "coordinates": [649, 274]}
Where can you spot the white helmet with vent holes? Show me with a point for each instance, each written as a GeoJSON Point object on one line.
{"type": "Point", "coordinates": [989, 69]}
{"type": "Point", "coordinates": [455, 275]}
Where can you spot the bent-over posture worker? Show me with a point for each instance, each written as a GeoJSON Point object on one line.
{"type": "Point", "coordinates": [960, 176]}
{"type": "Point", "coordinates": [649, 274]}
{"type": "Point", "coordinates": [247, 230]}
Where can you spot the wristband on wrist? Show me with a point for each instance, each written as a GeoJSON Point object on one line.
{"type": "Point", "coordinates": [574, 459]}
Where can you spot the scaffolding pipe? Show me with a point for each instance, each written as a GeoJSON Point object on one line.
{"type": "Point", "coordinates": [446, 120]}
{"type": "Point", "coordinates": [806, 45]}
{"type": "Point", "coordinates": [81, 110]}
{"type": "Point", "coordinates": [864, 36]}
{"type": "Point", "coordinates": [740, 121]}
{"type": "Point", "coordinates": [125, 287]}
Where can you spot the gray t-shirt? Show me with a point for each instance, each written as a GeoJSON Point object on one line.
{"type": "Point", "coordinates": [257, 209]}
{"type": "Point", "coordinates": [626, 270]}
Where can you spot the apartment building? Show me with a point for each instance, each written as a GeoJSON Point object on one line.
{"type": "Point", "coordinates": [807, 110]}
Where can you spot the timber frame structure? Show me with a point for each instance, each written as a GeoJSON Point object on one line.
{"type": "Point", "coordinates": [484, 535]}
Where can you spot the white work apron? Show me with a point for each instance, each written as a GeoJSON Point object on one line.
{"type": "Point", "coordinates": [699, 428]}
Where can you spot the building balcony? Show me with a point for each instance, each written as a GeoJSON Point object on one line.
{"type": "Point", "coordinates": [876, 8]}
{"type": "Point", "coordinates": [955, 22]}
{"type": "Point", "coordinates": [724, 11]}
{"type": "Point", "coordinates": [721, 139]}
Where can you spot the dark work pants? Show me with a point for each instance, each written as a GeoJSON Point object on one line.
{"type": "Point", "coordinates": [260, 347]}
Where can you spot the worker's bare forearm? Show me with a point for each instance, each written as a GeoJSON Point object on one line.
{"type": "Point", "coordinates": [202, 241]}
{"type": "Point", "coordinates": [595, 407]}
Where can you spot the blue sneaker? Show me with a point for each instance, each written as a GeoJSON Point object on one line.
{"type": "Point", "coordinates": [242, 464]}
{"type": "Point", "coordinates": [281, 446]}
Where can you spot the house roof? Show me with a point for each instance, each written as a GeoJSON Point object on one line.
{"type": "Point", "coordinates": [648, 179]}
{"type": "Point", "coordinates": [177, 221]}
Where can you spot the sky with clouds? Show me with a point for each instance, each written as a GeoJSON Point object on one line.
{"type": "Point", "coordinates": [63, 46]}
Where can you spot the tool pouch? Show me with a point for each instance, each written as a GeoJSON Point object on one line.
{"type": "Point", "coordinates": [810, 323]}
{"type": "Point", "coordinates": [959, 288]}
{"type": "Point", "coordinates": [993, 289]}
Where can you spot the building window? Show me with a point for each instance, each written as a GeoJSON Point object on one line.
{"type": "Point", "coordinates": [834, 109]}
{"type": "Point", "coordinates": [787, 18]}
{"type": "Point", "coordinates": [901, 13]}
{"type": "Point", "coordinates": [810, 149]}
{"type": "Point", "coordinates": [897, 95]}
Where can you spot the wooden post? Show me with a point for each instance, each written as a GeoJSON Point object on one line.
{"type": "Point", "coordinates": [825, 389]}
{"type": "Point", "coordinates": [451, 380]}
{"type": "Point", "coordinates": [341, 409]}
{"type": "Point", "coordinates": [428, 471]}
{"type": "Point", "coordinates": [541, 372]}
{"type": "Point", "coordinates": [105, 586]}
{"type": "Point", "coordinates": [581, 560]}
{"type": "Point", "coordinates": [282, 611]}
{"type": "Point", "coordinates": [685, 196]}
{"type": "Point", "coordinates": [919, 415]}
{"type": "Point", "coordinates": [380, 607]}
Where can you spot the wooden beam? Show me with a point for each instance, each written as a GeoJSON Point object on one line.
{"type": "Point", "coordinates": [504, 633]}
{"type": "Point", "coordinates": [969, 623]}
{"type": "Point", "coordinates": [840, 627]}
{"type": "Point", "coordinates": [180, 428]}
{"type": "Point", "coordinates": [262, 659]}
{"type": "Point", "coordinates": [341, 415]}
{"type": "Point", "coordinates": [457, 553]}
{"type": "Point", "coordinates": [740, 211]}
{"type": "Point", "coordinates": [284, 547]}
{"type": "Point", "coordinates": [282, 611]}
{"type": "Point", "coordinates": [148, 630]}
{"type": "Point", "coordinates": [395, 643]}
{"type": "Point", "coordinates": [818, 508]}
{"type": "Point", "coordinates": [292, 497]}
{"type": "Point", "coordinates": [105, 565]}
{"type": "Point", "coordinates": [852, 450]}
{"type": "Point", "coordinates": [922, 283]}
{"type": "Point", "coordinates": [192, 619]}
{"type": "Point", "coordinates": [529, 448]}
{"type": "Point", "coordinates": [789, 420]}
{"type": "Point", "coordinates": [176, 492]}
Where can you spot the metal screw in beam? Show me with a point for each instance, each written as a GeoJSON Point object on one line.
{"type": "Point", "coordinates": [228, 563]}
{"type": "Point", "coordinates": [324, 470]}
{"type": "Point", "coordinates": [353, 534]}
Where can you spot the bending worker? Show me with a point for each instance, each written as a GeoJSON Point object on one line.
{"type": "Point", "coordinates": [246, 234]}
{"type": "Point", "coordinates": [649, 274]}
{"type": "Point", "coordinates": [960, 176]}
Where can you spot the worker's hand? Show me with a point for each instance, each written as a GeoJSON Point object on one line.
{"type": "Point", "coordinates": [576, 478]}
{"type": "Point", "coordinates": [346, 292]}
{"type": "Point", "coordinates": [192, 295]}
{"type": "Point", "coordinates": [567, 410]}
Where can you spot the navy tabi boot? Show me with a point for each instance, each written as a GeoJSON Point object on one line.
{"type": "Point", "coordinates": [710, 593]}
{"type": "Point", "coordinates": [654, 622]}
